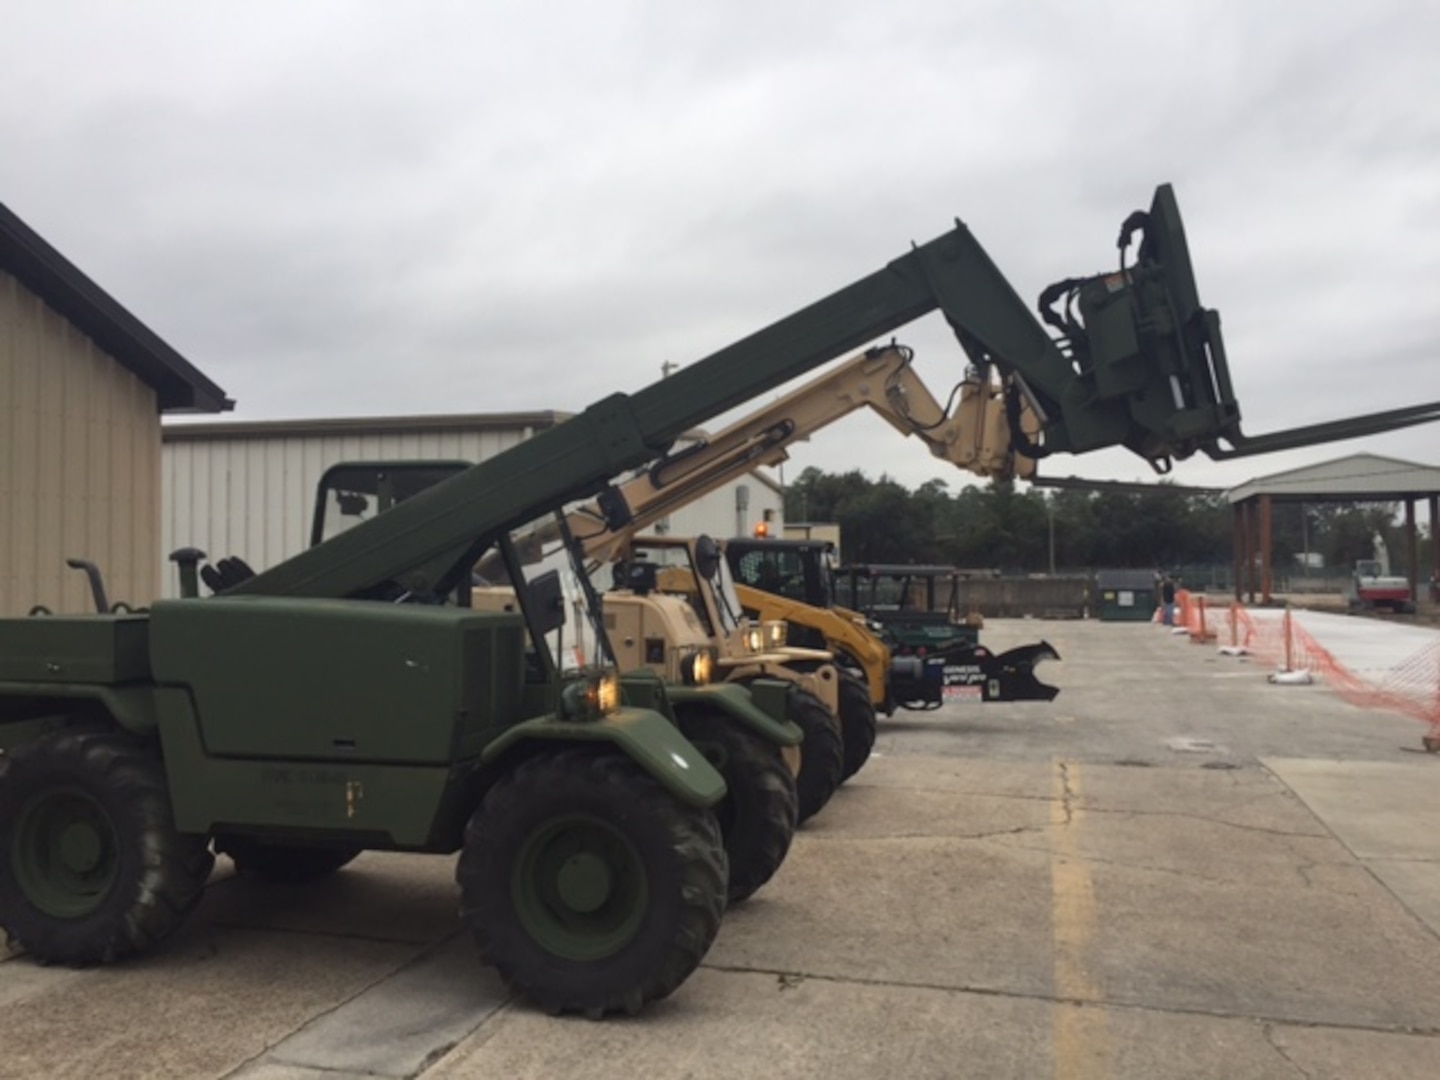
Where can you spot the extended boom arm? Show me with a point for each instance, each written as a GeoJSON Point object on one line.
{"type": "Point", "coordinates": [1142, 365]}
{"type": "Point", "coordinates": [975, 435]}
{"type": "Point", "coordinates": [971, 431]}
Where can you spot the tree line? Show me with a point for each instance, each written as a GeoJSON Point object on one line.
{"type": "Point", "coordinates": [1024, 529]}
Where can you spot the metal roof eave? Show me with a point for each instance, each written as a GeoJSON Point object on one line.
{"type": "Point", "coordinates": [1362, 477]}
{"type": "Point", "coordinates": [179, 386]}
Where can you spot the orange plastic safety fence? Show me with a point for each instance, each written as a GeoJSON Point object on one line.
{"type": "Point", "coordinates": [1412, 688]}
{"type": "Point", "coordinates": [1194, 616]}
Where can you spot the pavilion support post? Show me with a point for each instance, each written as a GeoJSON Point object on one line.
{"type": "Point", "coordinates": [1412, 549]}
{"type": "Point", "coordinates": [1249, 552]}
{"type": "Point", "coordinates": [1435, 539]}
{"type": "Point", "coordinates": [1237, 547]}
{"type": "Point", "coordinates": [1242, 555]}
{"type": "Point", "coordinates": [1267, 511]}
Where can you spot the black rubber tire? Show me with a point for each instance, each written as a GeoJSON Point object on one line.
{"type": "Point", "coordinates": [557, 802]}
{"type": "Point", "coordinates": [761, 807]}
{"type": "Point", "coordinates": [101, 799]}
{"type": "Point", "coordinates": [822, 754]}
{"type": "Point", "coordinates": [857, 724]}
{"type": "Point", "coordinates": [283, 863]}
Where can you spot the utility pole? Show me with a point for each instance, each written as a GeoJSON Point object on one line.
{"type": "Point", "coordinates": [1050, 514]}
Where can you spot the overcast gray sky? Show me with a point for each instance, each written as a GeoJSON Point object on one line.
{"type": "Point", "coordinates": [348, 209]}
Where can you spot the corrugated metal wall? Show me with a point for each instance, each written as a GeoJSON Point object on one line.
{"type": "Point", "coordinates": [79, 464]}
{"type": "Point", "coordinates": [253, 494]}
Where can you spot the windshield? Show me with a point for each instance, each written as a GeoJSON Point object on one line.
{"type": "Point", "coordinates": [714, 599]}
{"type": "Point", "coordinates": [921, 591]}
{"type": "Point", "coordinates": [873, 593]}
{"type": "Point", "coordinates": [561, 608]}
{"type": "Point", "coordinates": [723, 587]}
{"type": "Point", "coordinates": [352, 492]}
{"type": "Point", "coordinates": [780, 571]}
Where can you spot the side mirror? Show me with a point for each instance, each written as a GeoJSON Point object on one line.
{"type": "Point", "coordinates": [546, 601]}
{"type": "Point", "coordinates": [707, 557]}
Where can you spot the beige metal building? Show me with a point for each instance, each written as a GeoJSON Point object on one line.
{"type": "Point", "coordinates": [82, 386]}
{"type": "Point", "coordinates": [248, 488]}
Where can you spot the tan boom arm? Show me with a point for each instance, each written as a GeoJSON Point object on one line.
{"type": "Point", "coordinates": [975, 435]}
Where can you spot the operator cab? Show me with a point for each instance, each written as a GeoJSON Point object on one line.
{"type": "Point", "coordinates": [796, 569]}
{"type": "Point", "coordinates": [356, 491]}
{"type": "Point", "coordinates": [695, 571]}
{"type": "Point", "coordinates": [522, 573]}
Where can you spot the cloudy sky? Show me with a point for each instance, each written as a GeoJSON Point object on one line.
{"type": "Point", "coordinates": [349, 209]}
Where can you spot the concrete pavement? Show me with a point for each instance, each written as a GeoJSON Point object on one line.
{"type": "Point", "coordinates": [1176, 869]}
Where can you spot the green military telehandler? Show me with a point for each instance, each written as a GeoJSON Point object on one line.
{"type": "Point", "coordinates": [348, 699]}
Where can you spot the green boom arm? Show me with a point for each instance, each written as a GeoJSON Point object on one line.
{"type": "Point", "coordinates": [1134, 361]}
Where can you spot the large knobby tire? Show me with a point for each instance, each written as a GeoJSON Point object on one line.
{"type": "Point", "coordinates": [761, 806]}
{"type": "Point", "coordinates": [822, 754]}
{"type": "Point", "coordinates": [587, 886]}
{"type": "Point", "coordinates": [857, 724]}
{"type": "Point", "coordinates": [91, 867]}
{"type": "Point", "coordinates": [283, 863]}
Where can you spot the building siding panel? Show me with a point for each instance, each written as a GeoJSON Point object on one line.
{"type": "Point", "coordinates": [79, 464]}
{"type": "Point", "coordinates": [254, 497]}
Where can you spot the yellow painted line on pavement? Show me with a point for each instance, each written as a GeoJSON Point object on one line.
{"type": "Point", "coordinates": [1081, 1038]}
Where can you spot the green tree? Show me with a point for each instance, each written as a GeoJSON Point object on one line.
{"type": "Point", "coordinates": [885, 523]}
{"type": "Point", "coordinates": [817, 495]}
{"type": "Point", "coordinates": [999, 525]}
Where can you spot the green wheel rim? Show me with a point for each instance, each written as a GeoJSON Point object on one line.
{"type": "Point", "coordinates": [580, 888]}
{"type": "Point", "coordinates": [66, 854]}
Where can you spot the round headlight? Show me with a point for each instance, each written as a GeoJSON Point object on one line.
{"type": "Point", "coordinates": [592, 697]}
{"type": "Point", "coordinates": [776, 633]}
{"type": "Point", "coordinates": [698, 668]}
{"type": "Point", "coordinates": [605, 693]}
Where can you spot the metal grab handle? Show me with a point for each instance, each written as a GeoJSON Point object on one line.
{"type": "Point", "coordinates": [97, 583]}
